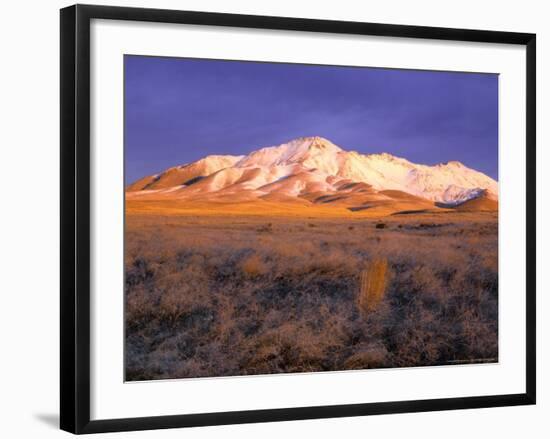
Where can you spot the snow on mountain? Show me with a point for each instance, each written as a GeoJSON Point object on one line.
{"type": "Point", "coordinates": [455, 195]}
{"type": "Point", "coordinates": [180, 175]}
{"type": "Point", "coordinates": [314, 165]}
{"type": "Point", "coordinates": [450, 182]}
{"type": "Point", "coordinates": [310, 152]}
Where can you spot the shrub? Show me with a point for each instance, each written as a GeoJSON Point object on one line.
{"type": "Point", "coordinates": [266, 228]}
{"type": "Point", "coordinates": [372, 356]}
{"type": "Point", "coordinates": [254, 266]}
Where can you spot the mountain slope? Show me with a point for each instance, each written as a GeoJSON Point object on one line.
{"type": "Point", "coordinates": [184, 174]}
{"type": "Point", "coordinates": [482, 203]}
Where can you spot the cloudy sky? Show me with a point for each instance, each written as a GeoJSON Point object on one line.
{"type": "Point", "coordinates": [179, 110]}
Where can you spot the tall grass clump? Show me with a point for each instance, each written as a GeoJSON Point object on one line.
{"type": "Point", "coordinates": [373, 284]}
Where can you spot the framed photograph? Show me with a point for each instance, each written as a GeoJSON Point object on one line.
{"type": "Point", "coordinates": [268, 219]}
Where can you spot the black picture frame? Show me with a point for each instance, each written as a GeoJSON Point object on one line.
{"type": "Point", "coordinates": [75, 217]}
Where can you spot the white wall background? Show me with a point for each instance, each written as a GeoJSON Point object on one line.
{"type": "Point", "coordinates": [29, 200]}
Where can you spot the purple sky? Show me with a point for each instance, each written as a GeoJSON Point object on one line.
{"type": "Point", "coordinates": [179, 110]}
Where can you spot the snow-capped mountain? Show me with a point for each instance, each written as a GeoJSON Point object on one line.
{"type": "Point", "coordinates": [313, 168]}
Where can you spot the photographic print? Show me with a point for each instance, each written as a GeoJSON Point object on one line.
{"type": "Point", "coordinates": [285, 218]}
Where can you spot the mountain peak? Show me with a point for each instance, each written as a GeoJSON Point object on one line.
{"type": "Point", "coordinates": [453, 163]}
{"type": "Point", "coordinates": [312, 143]}
{"type": "Point", "coordinates": [313, 140]}
{"type": "Point", "coordinates": [300, 150]}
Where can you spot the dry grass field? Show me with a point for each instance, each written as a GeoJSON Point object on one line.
{"type": "Point", "coordinates": [238, 294]}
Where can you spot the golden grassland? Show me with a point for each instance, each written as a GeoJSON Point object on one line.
{"type": "Point", "coordinates": [250, 292]}
{"type": "Point", "coordinates": [268, 208]}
